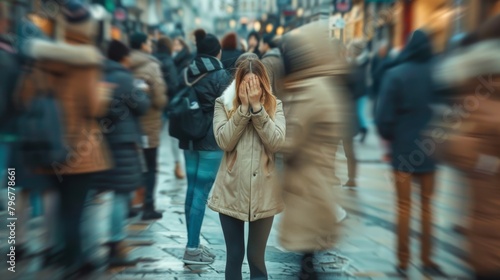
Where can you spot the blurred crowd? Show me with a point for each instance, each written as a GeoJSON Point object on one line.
{"type": "Point", "coordinates": [258, 123]}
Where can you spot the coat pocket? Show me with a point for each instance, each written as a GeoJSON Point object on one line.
{"type": "Point", "coordinates": [270, 164]}
{"type": "Point", "coordinates": [231, 161]}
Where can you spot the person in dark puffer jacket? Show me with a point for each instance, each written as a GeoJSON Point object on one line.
{"type": "Point", "coordinates": [122, 130]}
{"type": "Point", "coordinates": [203, 157]}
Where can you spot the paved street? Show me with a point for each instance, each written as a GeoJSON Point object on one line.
{"type": "Point", "coordinates": [366, 250]}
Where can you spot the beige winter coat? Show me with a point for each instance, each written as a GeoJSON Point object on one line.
{"type": "Point", "coordinates": [147, 68]}
{"type": "Point", "coordinates": [246, 187]}
{"type": "Point", "coordinates": [316, 120]}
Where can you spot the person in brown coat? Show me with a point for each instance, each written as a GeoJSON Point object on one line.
{"type": "Point", "coordinates": [249, 128]}
{"type": "Point", "coordinates": [271, 58]}
{"type": "Point", "coordinates": [147, 72]}
{"type": "Point", "coordinates": [473, 144]}
{"type": "Point", "coordinates": [316, 116]}
{"type": "Point", "coordinates": [72, 70]}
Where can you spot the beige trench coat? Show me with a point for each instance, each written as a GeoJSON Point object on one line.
{"type": "Point", "coordinates": [246, 187]}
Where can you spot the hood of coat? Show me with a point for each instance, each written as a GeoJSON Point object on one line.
{"type": "Point", "coordinates": [76, 55]}
{"type": "Point", "coordinates": [138, 59]}
{"type": "Point", "coordinates": [228, 96]}
{"type": "Point", "coordinates": [418, 48]}
{"type": "Point", "coordinates": [203, 64]}
{"type": "Point", "coordinates": [273, 52]}
{"type": "Point", "coordinates": [468, 63]}
{"type": "Point", "coordinates": [308, 53]}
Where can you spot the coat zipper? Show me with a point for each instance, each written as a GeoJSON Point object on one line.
{"type": "Point", "coordinates": [251, 178]}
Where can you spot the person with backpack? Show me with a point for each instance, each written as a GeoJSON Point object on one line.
{"type": "Point", "coordinates": [64, 91]}
{"type": "Point", "coordinates": [147, 71]}
{"type": "Point", "coordinates": [122, 130]}
{"type": "Point", "coordinates": [208, 79]}
{"type": "Point", "coordinates": [250, 129]}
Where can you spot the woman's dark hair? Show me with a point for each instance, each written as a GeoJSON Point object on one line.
{"type": "Point", "coordinates": [183, 43]}
{"type": "Point", "coordinates": [230, 41]}
{"type": "Point", "coordinates": [117, 51]}
{"type": "Point", "coordinates": [254, 34]}
{"type": "Point", "coordinates": [164, 45]}
{"type": "Point", "coordinates": [137, 40]}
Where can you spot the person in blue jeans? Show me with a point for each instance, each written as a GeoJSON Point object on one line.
{"type": "Point", "coordinates": [203, 156]}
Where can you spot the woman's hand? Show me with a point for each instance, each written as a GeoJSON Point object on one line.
{"type": "Point", "coordinates": [242, 94]}
{"type": "Point", "coordinates": [254, 92]}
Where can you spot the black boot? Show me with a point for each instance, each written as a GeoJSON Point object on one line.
{"type": "Point", "coordinates": [307, 268]}
{"type": "Point", "coordinates": [118, 256]}
{"type": "Point", "coordinates": [150, 213]}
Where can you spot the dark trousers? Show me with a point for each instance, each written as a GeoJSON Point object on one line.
{"type": "Point", "coordinates": [73, 190]}
{"type": "Point", "coordinates": [352, 163]}
{"type": "Point", "coordinates": [234, 235]}
{"type": "Point", "coordinates": [150, 156]}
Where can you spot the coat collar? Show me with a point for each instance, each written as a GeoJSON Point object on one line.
{"type": "Point", "coordinates": [229, 95]}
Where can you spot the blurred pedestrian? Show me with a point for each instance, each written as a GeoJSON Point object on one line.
{"type": "Point", "coordinates": [181, 54]}
{"type": "Point", "coordinates": [122, 130]}
{"type": "Point", "coordinates": [209, 79]}
{"type": "Point", "coordinates": [271, 58]}
{"type": "Point", "coordinates": [314, 107]}
{"type": "Point", "coordinates": [360, 61]}
{"type": "Point", "coordinates": [171, 77]}
{"type": "Point", "coordinates": [71, 71]}
{"type": "Point", "coordinates": [253, 41]}
{"type": "Point", "coordinates": [147, 71]}
{"type": "Point", "coordinates": [402, 113]}
{"type": "Point", "coordinates": [473, 145]}
{"type": "Point", "coordinates": [252, 123]}
{"type": "Point", "coordinates": [230, 52]}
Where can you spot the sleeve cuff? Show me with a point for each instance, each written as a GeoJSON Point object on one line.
{"type": "Point", "coordinates": [240, 116]}
{"type": "Point", "coordinates": [261, 117]}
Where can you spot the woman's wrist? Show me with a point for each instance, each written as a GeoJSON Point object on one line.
{"type": "Point", "coordinates": [244, 109]}
{"type": "Point", "coordinates": [256, 108]}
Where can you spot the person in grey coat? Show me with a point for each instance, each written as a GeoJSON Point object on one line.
{"type": "Point", "coordinates": [122, 130]}
{"type": "Point", "coordinates": [402, 114]}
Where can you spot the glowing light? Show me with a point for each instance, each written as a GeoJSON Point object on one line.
{"type": "Point", "coordinates": [280, 30]}
{"type": "Point", "coordinates": [232, 23]}
{"type": "Point", "coordinates": [257, 26]}
{"type": "Point", "coordinates": [197, 21]}
{"type": "Point", "coordinates": [269, 28]}
{"type": "Point", "coordinates": [300, 12]}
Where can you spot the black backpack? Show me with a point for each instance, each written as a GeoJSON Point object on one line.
{"type": "Point", "coordinates": [40, 128]}
{"type": "Point", "coordinates": [187, 121]}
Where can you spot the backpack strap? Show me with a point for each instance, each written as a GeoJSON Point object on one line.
{"type": "Point", "coordinates": [195, 81]}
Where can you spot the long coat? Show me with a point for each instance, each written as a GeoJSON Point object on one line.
{"type": "Point", "coordinates": [247, 187]}
{"type": "Point", "coordinates": [122, 130]}
{"type": "Point", "coordinates": [316, 121]}
{"type": "Point", "coordinates": [472, 145]}
{"type": "Point", "coordinates": [147, 68]}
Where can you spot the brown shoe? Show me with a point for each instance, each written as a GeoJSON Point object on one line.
{"type": "Point", "coordinates": [179, 174]}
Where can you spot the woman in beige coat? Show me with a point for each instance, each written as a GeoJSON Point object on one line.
{"type": "Point", "coordinates": [249, 128]}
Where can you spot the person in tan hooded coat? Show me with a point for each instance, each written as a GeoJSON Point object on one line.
{"type": "Point", "coordinates": [473, 142]}
{"type": "Point", "coordinates": [316, 121]}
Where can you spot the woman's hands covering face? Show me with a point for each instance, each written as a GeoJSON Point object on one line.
{"type": "Point", "coordinates": [254, 92]}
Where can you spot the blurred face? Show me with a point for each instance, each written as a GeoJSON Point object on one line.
{"type": "Point", "coordinates": [177, 46]}
{"type": "Point", "coordinates": [249, 76]}
{"type": "Point", "coordinates": [252, 42]}
{"type": "Point", "coordinates": [263, 47]}
{"type": "Point", "coordinates": [148, 46]}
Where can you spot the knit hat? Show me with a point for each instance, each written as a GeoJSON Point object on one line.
{"type": "Point", "coordinates": [75, 12]}
{"type": "Point", "coordinates": [207, 44]}
{"type": "Point", "coordinates": [137, 40]}
{"type": "Point", "coordinates": [117, 51]}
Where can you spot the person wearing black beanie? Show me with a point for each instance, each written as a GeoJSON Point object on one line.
{"type": "Point", "coordinates": [207, 76]}
{"type": "Point", "coordinates": [122, 131]}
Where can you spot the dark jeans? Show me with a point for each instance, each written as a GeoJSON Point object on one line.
{"type": "Point", "coordinates": [348, 143]}
{"type": "Point", "coordinates": [73, 191]}
{"type": "Point", "coordinates": [150, 156]}
{"type": "Point", "coordinates": [234, 235]}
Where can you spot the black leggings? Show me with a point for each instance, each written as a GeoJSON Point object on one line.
{"type": "Point", "coordinates": [234, 235]}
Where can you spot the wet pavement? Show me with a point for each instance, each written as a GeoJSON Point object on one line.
{"type": "Point", "coordinates": [366, 250]}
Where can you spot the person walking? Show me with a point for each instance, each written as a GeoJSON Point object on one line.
{"type": "Point", "coordinates": [147, 71]}
{"type": "Point", "coordinates": [271, 58]}
{"type": "Point", "coordinates": [230, 52]}
{"type": "Point", "coordinates": [473, 147]}
{"type": "Point", "coordinates": [209, 79]}
{"type": "Point", "coordinates": [170, 75]}
{"type": "Point", "coordinates": [181, 54]}
{"type": "Point", "coordinates": [250, 129]}
{"type": "Point", "coordinates": [253, 41]}
{"type": "Point", "coordinates": [122, 130]}
{"type": "Point", "coordinates": [314, 103]}
{"type": "Point", "coordinates": [402, 113]}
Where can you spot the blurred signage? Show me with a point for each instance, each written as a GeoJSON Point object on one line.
{"type": "Point", "coordinates": [342, 6]}
{"type": "Point", "coordinates": [120, 14]}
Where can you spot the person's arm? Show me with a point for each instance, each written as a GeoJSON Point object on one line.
{"type": "Point", "coordinates": [136, 99]}
{"type": "Point", "coordinates": [228, 131]}
{"type": "Point", "coordinates": [158, 89]}
{"type": "Point", "coordinates": [271, 132]}
{"type": "Point", "coordinates": [385, 115]}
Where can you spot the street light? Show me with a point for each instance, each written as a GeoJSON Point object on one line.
{"type": "Point", "coordinates": [197, 21]}
{"type": "Point", "coordinates": [280, 30]}
{"type": "Point", "coordinates": [232, 23]}
{"type": "Point", "coordinates": [300, 12]}
{"type": "Point", "coordinates": [269, 28]}
{"type": "Point", "coordinates": [229, 9]}
{"type": "Point", "coordinates": [257, 26]}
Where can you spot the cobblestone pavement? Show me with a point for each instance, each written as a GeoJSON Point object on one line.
{"type": "Point", "coordinates": [366, 250]}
